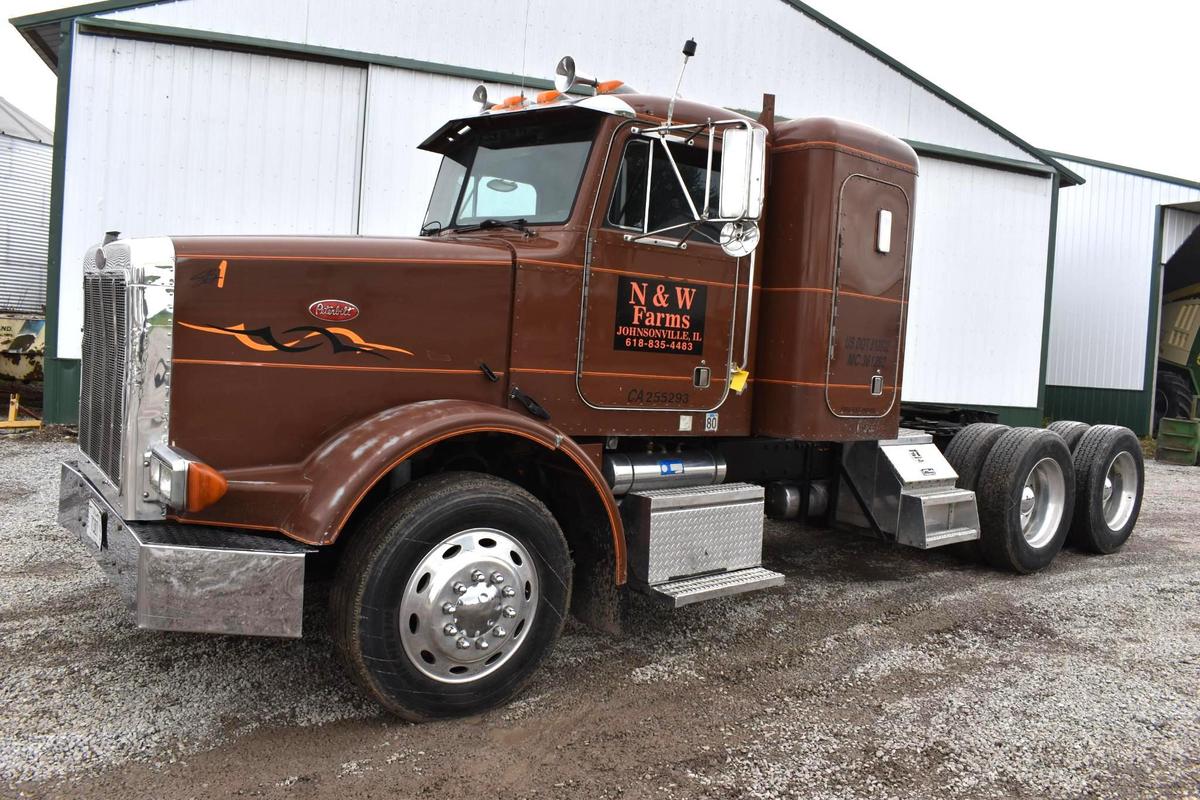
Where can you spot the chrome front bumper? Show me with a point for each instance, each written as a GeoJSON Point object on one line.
{"type": "Point", "coordinates": [190, 577]}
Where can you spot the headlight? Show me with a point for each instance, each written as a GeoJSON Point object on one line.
{"type": "Point", "coordinates": [181, 481]}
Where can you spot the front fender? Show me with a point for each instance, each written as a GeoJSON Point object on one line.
{"type": "Point", "coordinates": [347, 465]}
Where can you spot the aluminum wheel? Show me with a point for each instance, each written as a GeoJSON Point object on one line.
{"type": "Point", "coordinates": [1043, 500]}
{"type": "Point", "coordinates": [1120, 490]}
{"type": "Point", "coordinates": [467, 604]}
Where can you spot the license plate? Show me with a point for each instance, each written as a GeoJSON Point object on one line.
{"type": "Point", "coordinates": [95, 524]}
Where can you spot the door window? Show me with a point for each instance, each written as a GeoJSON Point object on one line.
{"type": "Point", "coordinates": [643, 161]}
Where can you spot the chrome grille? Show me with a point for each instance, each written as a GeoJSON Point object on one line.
{"type": "Point", "coordinates": [102, 395]}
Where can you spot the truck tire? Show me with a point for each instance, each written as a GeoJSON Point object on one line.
{"type": "Point", "coordinates": [1109, 477]}
{"type": "Point", "coordinates": [450, 595]}
{"type": "Point", "coordinates": [1071, 432]}
{"type": "Point", "coordinates": [1174, 395]}
{"type": "Point", "coordinates": [969, 449]}
{"type": "Point", "coordinates": [1026, 497]}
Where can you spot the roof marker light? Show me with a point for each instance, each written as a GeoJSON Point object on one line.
{"type": "Point", "coordinates": [549, 96]}
{"type": "Point", "coordinates": [516, 101]}
{"type": "Point", "coordinates": [604, 87]}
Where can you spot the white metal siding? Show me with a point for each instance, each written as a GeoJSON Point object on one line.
{"type": "Point", "coordinates": [1177, 227]}
{"type": "Point", "coordinates": [25, 169]}
{"type": "Point", "coordinates": [404, 107]}
{"type": "Point", "coordinates": [168, 139]}
{"type": "Point", "coordinates": [745, 49]}
{"type": "Point", "coordinates": [1102, 274]}
{"type": "Point", "coordinates": [978, 286]}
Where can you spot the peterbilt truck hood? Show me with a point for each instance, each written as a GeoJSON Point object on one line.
{"type": "Point", "coordinates": [280, 340]}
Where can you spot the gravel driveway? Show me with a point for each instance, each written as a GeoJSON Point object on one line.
{"type": "Point", "coordinates": [875, 672]}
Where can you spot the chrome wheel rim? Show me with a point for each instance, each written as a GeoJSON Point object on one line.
{"type": "Point", "coordinates": [1043, 499]}
{"type": "Point", "coordinates": [1120, 490]}
{"type": "Point", "coordinates": [468, 605]}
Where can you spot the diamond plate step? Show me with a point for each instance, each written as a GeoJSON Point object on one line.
{"type": "Point", "coordinates": [693, 590]}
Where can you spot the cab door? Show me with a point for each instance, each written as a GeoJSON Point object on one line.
{"type": "Point", "coordinates": [658, 312]}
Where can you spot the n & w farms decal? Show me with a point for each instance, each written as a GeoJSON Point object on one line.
{"type": "Point", "coordinates": [660, 316]}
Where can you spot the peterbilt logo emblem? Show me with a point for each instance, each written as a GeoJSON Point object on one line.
{"type": "Point", "coordinates": [333, 310]}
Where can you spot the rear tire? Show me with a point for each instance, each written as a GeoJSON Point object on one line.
{"type": "Point", "coordinates": [1071, 432]}
{"type": "Point", "coordinates": [966, 453]}
{"type": "Point", "coordinates": [450, 595]}
{"type": "Point", "coordinates": [1026, 496]}
{"type": "Point", "coordinates": [969, 449]}
{"type": "Point", "coordinates": [1109, 479]}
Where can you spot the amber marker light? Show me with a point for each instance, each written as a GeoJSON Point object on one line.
{"type": "Point", "coordinates": [604, 87]}
{"type": "Point", "coordinates": [205, 486]}
{"type": "Point", "coordinates": [516, 101]}
{"type": "Point", "coordinates": [549, 96]}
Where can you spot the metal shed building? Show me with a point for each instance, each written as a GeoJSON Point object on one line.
{"type": "Point", "coordinates": [1120, 236]}
{"type": "Point", "coordinates": [287, 116]}
{"type": "Point", "coordinates": [25, 162]}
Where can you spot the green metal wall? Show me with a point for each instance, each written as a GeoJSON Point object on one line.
{"type": "Point", "coordinates": [1100, 406]}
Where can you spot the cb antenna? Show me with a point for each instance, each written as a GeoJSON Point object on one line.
{"type": "Point", "coordinates": [689, 50]}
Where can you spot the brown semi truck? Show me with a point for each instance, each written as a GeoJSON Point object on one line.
{"type": "Point", "coordinates": [632, 326]}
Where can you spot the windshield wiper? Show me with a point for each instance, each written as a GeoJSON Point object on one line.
{"type": "Point", "coordinates": [431, 228]}
{"type": "Point", "coordinates": [521, 225]}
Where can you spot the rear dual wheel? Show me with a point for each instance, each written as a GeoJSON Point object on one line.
{"type": "Point", "coordinates": [1026, 498]}
{"type": "Point", "coordinates": [1071, 432]}
{"type": "Point", "coordinates": [1110, 475]}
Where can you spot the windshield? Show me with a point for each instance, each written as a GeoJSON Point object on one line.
{"type": "Point", "coordinates": [510, 171]}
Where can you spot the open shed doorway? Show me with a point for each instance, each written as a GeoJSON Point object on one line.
{"type": "Point", "coordinates": [1177, 367]}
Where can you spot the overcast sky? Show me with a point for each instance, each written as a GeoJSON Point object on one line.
{"type": "Point", "coordinates": [1109, 80]}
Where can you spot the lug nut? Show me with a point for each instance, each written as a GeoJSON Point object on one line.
{"type": "Point", "coordinates": [464, 643]}
{"type": "Point", "coordinates": [510, 612]}
{"type": "Point", "coordinates": [482, 644]}
{"type": "Point", "coordinates": [497, 578]}
{"type": "Point", "coordinates": [478, 576]}
{"type": "Point", "coordinates": [449, 608]}
{"type": "Point", "coordinates": [459, 588]}
{"type": "Point", "coordinates": [450, 630]}
{"type": "Point", "coordinates": [499, 633]}
{"type": "Point", "coordinates": [508, 591]}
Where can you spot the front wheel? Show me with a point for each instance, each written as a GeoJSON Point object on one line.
{"type": "Point", "coordinates": [451, 595]}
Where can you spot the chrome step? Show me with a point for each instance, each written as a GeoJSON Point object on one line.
{"type": "Point", "coordinates": [906, 489]}
{"type": "Point", "coordinates": [692, 531]}
{"type": "Point", "coordinates": [936, 518]}
{"type": "Point", "coordinates": [693, 590]}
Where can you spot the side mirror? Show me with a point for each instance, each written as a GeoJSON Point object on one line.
{"type": "Point", "coordinates": [743, 158]}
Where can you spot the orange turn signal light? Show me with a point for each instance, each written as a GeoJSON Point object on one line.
{"type": "Point", "coordinates": [509, 102]}
{"type": "Point", "coordinates": [604, 87]}
{"type": "Point", "coordinates": [205, 486]}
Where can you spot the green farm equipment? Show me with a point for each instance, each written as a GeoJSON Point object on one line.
{"type": "Point", "coordinates": [1178, 361]}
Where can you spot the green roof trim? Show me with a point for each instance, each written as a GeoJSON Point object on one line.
{"type": "Point", "coordinates": [942, 153]}
{"type": "Point", "coordinates": [86, 9]}
{"type": "Point", "coordinates": [1068, 178]}
{"type": "Point", "coordinates": [1141, 173]}
{"type": "Point", "coordinates": [42, 30]}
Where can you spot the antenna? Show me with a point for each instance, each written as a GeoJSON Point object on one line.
{"type": "Point", "coordinates": [689, 50]}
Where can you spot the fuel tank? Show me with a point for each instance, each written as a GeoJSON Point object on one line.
{"type": "Point", "coordinates": [837, 246]}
